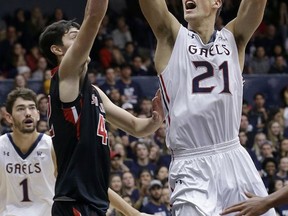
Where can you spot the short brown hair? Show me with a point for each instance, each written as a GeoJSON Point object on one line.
{"type": "Point", "coordinates": [25, 93]}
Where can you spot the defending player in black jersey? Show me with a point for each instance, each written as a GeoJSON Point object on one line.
{"type": "Point", "coordinates": [77, 115]}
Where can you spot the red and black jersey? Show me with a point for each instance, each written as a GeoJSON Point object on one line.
{"type": "Point", "coordinates": [81, 145]}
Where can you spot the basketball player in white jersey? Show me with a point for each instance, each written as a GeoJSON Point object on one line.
{"type": "Point", "coordinates": [27, 163]}
{"type": "Point", "coordinates": [200, 72]}
{"type": "Point", "coordinates": [27, 172]}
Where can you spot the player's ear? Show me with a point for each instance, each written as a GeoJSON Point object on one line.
{"type": "Point", "coordinates": [217, 3]}
{"type": "Point", "coordinates": [8, 118]}
{"type": "Point", "coordinates": [56, 50]}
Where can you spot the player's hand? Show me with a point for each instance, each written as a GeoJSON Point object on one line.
{"type": "Point", "coordinates": [157, 109]}
{"type": "Point", "coordinates": [252, 207]}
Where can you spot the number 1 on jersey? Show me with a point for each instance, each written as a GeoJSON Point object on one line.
{"type": "Point", "coordinates": [24, 184]}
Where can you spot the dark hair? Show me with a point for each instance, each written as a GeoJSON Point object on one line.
{"type": "Point", "coordinates": [25, 93]}
{"type": "Point", "coordinates": [52, 35]}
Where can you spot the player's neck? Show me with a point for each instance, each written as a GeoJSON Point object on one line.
{"type": "Point", "coordinates": [204, 31]}
{"type": "Point", "coordinates": [24, 140]}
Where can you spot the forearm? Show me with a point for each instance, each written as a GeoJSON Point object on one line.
{"type": "Point", "coordinates": [146, 126]}
{"type": "Point", "coordinates": [121, 205]}
{"type": "Point", "coordinates": [277, 198]}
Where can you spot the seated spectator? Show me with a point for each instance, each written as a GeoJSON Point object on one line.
{"type": "Point", "coordinates": [42, 126]}
{"type": "Point", "coordinates": [283, 150]}
{"type": "Point", "coordinates": [142, 160]}
{"type": "Point", "coordinates": [20, 82]}
{"type": "Point", "coordinates": [269, 169]}
{"type": "Point", "coordinates": [129, 186]}
{"type": "Point", "coordinates": [130, 90]}
{"type": "Point", "coordinates": [117, 163]}
{"type": "Point", "coordinates": [25, 71]}
{"type": "Point", "coordinates": [279, 66]}
{"type": "Point", "coordinates": [266, 151]}
{"type": "Point", "coordinates": [283, 169]}
{"type": "Point", "coordinates": [41, 67]}
{"type": "Point", "coordinates": [260, 63]}
{"type": "Point", "coordinates": [155, 205]}
{"type": "Point", "coordinates": [110, 81]}
{"type": "Point", "coordinates": [121, 34]}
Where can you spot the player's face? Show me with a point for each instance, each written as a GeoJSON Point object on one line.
{"type": "Point", "coordinates": [197, 8]}
{"type": "Point", "coordinates": [24, 115]}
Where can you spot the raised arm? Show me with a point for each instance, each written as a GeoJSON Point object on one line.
{"type": "Point", "coordinates": [249, 17]}
{"type": "Point", "coordinates": [165, 27]}
{"type": "Point", "coordinates": [75, 60]}
{"type": "Point", "coordinates": [138, 127]}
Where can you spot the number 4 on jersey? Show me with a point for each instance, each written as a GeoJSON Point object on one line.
{"type": "Point", "coordinates": [101, 131]}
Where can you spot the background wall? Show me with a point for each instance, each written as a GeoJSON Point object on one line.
{"type": "Point", "coordinates": [269, 85]}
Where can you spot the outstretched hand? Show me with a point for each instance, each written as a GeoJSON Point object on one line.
{"type": "Point", "coordinates": [252, 207]}
{"type": "Point", "coordinates": [157, 108]}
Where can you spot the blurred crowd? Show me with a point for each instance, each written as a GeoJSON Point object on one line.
{"type": "Point", "coordinates": [125, 48]}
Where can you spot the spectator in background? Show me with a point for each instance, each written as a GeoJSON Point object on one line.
{"type": "Point", "coordinates": [25, 71]}
{"type": "Point", "coordinates": [110, 81]}
{"type": "Point", "coordinates": [165, 198]}
{"type": "Point", "coordinates": [155, 205]}
{"type": "Point", "coordinates": [115, 97]}
{"type": "Point", "coordinates": [106, 52]}
{"type": "Point", "coordinates": [121, 34]}
{"type": "Point", "coordinates": [129, 52]}
{"type": "Point", "coordinates": [138, 67]}
{"type": "Point", "coordinates": [260, 63]}
{"type": "Point", "coordinates": [279, 66]}
{"type": "Point", "coordinates": [129, 89]}
{"type": "Point", "coordinates": [36, 23]}
{"type": "Point", "coordinates": [20, 82]}
{"type": "Point", "coordinates": [142, 160]}
{"type": "Point", "coordinates": [32, 57]}
{"type": "Point", "coordinates": [269, 169]}
{"type": "Point", "coordinates": [46, 81]}
{"type": "Point", "coordinates": [246, 127]}
{"type": "Point", "coordinates": [259, 139]}
{"type": "Point", "coordinates": [283, 169]}
{"type": "Point", "coordinates": [5, 126]}
{"type": "Point", "coordinates": [162, 174]}
{"type": "Point", "coordinates": [43, 107]}
{"type": "Point", "coordinates": [129, 186]}
{"type": "Point", "coordinates": [243, 141]}
{"type": "Point", "coordinates": [258, 115]}
{"type": "Point", "coordinates": [38, 73]}
{"type": "Point", "coordinates": [145, 107]}
{"type": "Point", "coordinates": [116, 183]}
{"type": "Point", "coordinates": [117, 163]}
{"type": "Point", "coordinates": [266, 151]}
{"type": "Point", "coordinates": [42, 126]}
{"type": "Point", "coordinates": [283, 150]}
{"type": "Point", "coordinates": [275, 134]}
{"type": "Point", "coordinates": [6, 50]}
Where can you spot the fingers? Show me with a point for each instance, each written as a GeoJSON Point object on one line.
{"type": "Point", "coordinates": [234, 208]}
{"type": "Point", "coordinates": [249, 195]}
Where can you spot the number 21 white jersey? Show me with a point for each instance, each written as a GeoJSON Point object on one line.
{"type": "Point", "coordinates": [26, 180]}
{"type": "Point", "coordinates": [202, 89]}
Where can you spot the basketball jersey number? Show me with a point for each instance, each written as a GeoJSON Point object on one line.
{"type": "Point", "coordinates": [209, 73]}
{"type": "Point", "coordinates": [101, 130]}
{"type": "Point", "coordinates": [24, 184]}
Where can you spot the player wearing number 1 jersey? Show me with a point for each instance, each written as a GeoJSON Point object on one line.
{"type": "Point", "coordinates": [26, 161]}
{"type": "Point", "coordinates": [200, 72]}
